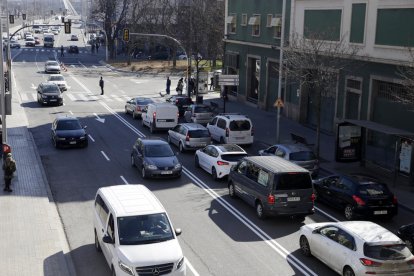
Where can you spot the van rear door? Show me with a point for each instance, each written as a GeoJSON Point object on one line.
{"type": "Point", "coordinates": [240, 131]}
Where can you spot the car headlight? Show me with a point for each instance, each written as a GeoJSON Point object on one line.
{"type": "Point", "coordinates": [125, 268]}
{"type": "Point", "coordinates": [180, 263]}
{"type": "Point", "coordinates": [44, 96]}
{"type": "Point", "coordinates": [178, 166]}
{"type": "Point", "coordinates": [150, 167]}
{"type": "Point", "coordinates": [82, 137]}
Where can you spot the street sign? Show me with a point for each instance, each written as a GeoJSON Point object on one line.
{"type": "Point", "coordinates": [125, 36]}
{"type": "Point", "coordinates": [23, 16]}
{"type": "Point", "coordinates": [229, 80]}
{"type": "Point", "coordinates": [278, 103]}
{"type": "Point", "coordinates": [67, 28]}
{"type": "Point", "coordinates": [11, 19]}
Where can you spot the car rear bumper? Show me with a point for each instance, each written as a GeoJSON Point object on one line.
{"type": "Point", "coordinates": [72, 143]}
{"type": "Point", "coordinates": [292, 210]}
{"type": "Point", "coordinates": [163, 174]}
{"type": "Point", "coordinates": [52, 101]}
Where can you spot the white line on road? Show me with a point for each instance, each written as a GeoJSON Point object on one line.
{"type": "Point", "coordinates": [70, 111]}
{"type": "Point", "coordinates": [190, 266]}
{"type": "Point", "coordinates": [106, 157]}
{"type": "Point", "coordinates": [90, 137]}
{"type": "Point", "coordinates": [123, 179]}
{"type": "Point", "coordinates": [326, 214]}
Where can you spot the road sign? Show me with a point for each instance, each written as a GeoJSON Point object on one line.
{"type": "Point", "coordinates": [125, 36]}
{"type": "Point", "coordinates": [11, 19]}
{"type": "Point", "coordinates": [279, 103]}
{"type": "Point", "coordinates": [229, 80]}
{"type": "Point", "coordinates": [67, 28]}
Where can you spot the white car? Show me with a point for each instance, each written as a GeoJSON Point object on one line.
{"type": "Point", "coordinates": [217, 160]}
{"type": "Point", "coordinates": [59, 80]}
{"type": "Point", "coordinates": [357, 248]}
{"type": "Point", "coordinates": [230, 128]}
{"type": "Point", "coordinates": [52, 66]}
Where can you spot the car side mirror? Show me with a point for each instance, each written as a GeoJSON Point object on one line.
{"type": "Point", "coordinates": [316, 231]}
{"type": "Point", "coordinates": [178, 231]}
{"type": "Point", "coordinates": [85, 127]}
{"type": "Point", "coordinates": [108, 239]}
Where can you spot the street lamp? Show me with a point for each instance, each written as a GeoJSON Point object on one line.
{"type": "Point", "coordinates": [279, 86]}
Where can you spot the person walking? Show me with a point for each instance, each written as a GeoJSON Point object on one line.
{"type": "Point", "coordinates": [180, 87]}
{"type": "Point", "coordinates": [97, 46]}
{"type": "Point", "coordinates": [168, 86]}
{"type": "Point", "coordinates": [9, 167]}
{"type": "Point", "coordinates": [61, 51]}
{"type": "Point", "coordinates": [101, 84]}
{"type": "Point", "coordinates": [211, 82]}
{"type": "Point", "coordinates": [93, 48]}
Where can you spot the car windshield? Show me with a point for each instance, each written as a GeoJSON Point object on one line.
{"type": "Point", "coordinates": [50, 89]}
{"type": "Point", "coordinates": [199, 133]}
{"type": "Point", "coordinates": [302, 156]}
{"type": "Point", "coordinates": [386, 252]}
{"type": "Point", "coordinates": [202, 109]}
{"type": "Point", "coordinates": [239, 125]}
{"type": "Point", "coordinates": [52, 63]}
{"type": "Point", "coordinates": [233, 157]}
{"type": "Point", "coordinates": [293, 181]}
{"type": "Point", "coordinates": [144, 229]}
{"type": "Point", "coordinates": [144, 102]}
{"type": "Point", "coordinates": [373, 189]}
{"type": "Point", "coordinates": [68, 125]}
{"type": "Point", "coordinates": [29, 39]}
{"type": "Point", "coordinates": [56, 78]}
{"type": "Point", "coordinates": [160, 150]}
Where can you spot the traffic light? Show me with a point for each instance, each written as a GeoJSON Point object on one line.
{"type": "Point", "coordinates": [23, 16]}
{"type": "Point", "coordinates": [11, 19]}
{"type": "Point", "coordinates": [67, 28]}
{"type": "Point", "coordinates": [63, 19]}
{"type": "Point", "coordinates": [125, 36]}
{"type": "Point", "coordinates": [70, 21]}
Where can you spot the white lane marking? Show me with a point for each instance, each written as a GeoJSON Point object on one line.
{"type": "Point", "coordinates": [70, 96]}
{"type": "Point", "coordinates": [190, 266]}
{"type": "Point", "coordinates": [106, 157]}
{"type": "Point", "coordinates": [105, 97]}
{"type": "Point", "coordinates": [82, 64]}
{"type": "Point", "coordinates": [326, 214]}
{"type": "Point", "coordinates": [83, 97]}
{"type": "Point", "coordinates": [123, 179]}
{"type": "Point", "coordinates": [288, 256]}
{"type": "Point", "coordinates": [24, 97]}
{"type": "Point", "coordinates": [90, 137]}
{"type": "Point", "coordinates": [70, 111]}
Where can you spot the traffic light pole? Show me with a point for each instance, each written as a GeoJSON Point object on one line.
{"type": "Point", "coordinates": [2, 93]}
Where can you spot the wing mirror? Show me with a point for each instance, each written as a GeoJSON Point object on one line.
{"type": "Point", "coordinates": [85, 127]}
{"type": "Point", "coordinates": [108, 239]}
{"type": "Point", "coordinates": [178, 231]}
{"type": "Point", "coordinates": [316, 231]}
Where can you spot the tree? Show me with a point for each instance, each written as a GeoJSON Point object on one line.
{"type": "Point", "coordinates": [316, 63]}
{"type": "Point", "coordinates": [407, 74]}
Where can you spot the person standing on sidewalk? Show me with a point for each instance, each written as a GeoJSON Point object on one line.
{"type": "Point", "coordinates": [101, 84]}
{"type": "Point", "coordinates": [9, 167]}
{"type": "Point", "coordinates": [61, 51]}
{"type": "Point", "coordinates": [168, 86]}
{"type": "Point", "coordinates": [97, 46]}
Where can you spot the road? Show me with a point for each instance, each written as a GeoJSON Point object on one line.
{"type": "Point", "coordinates": [221, 236]}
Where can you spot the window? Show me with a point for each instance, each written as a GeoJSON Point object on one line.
{"type": "Point", "coordinates": [102, 209]}
{"type": "Point", "coordinates": [241, 168]}
{"type": "Point", "coordinates": [252, 172]}
{"type": "Point", "coordinates": [214, 121]}
{"type": "Point", "coordinates": [263, 178]}
{"type": "Point", "coordinates": [345, 239]}
{"type": "Point", "coordinates": [254, 21]}
{"type": "Point", "coordinates": [244, 20]}
{"type": "Point", "coordinates": [269, 20]}
{"type": "Point", "coordinates": [239, 125]}
{"type": "Point", "coordinates": [221, 124]}
{"type": "Point", "coordinates": [297, 181]}
{"type": "Point", "coordinates": [231, 21]}
{"type": "Point", "coordinates": [111, 228]}
{"type": "Point", "coordinates": [329, 232]}
{"type": "Point", "coordinates": [394, 27]}
{"type": "Point", "coordinates": [322, 24]}
{"type": "Point", "coordinates": [386, 252]}
{"type": "Point", "coordinates": [357, 23]}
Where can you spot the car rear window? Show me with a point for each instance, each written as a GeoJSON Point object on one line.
{"type": "Point", "coordinates": [386, 252]}
{"type": "Point", "coordinates": [144, 102]}
{"type": "Point", "coordinates": [56, 78]}
{"type": "Point", "coordinates": [239, 125]}
{"type": "Point", "coordinates": [199, 133]}
{"type": "Point", "coordinates": [184, 100]}
{"type": "Point", "coordinates": [202, 109]}
{"type": "Point", "coordinates": [373, 189]}
{"type": "Point", "coordinates": [293, 181]}
{"type": "Point", "coordinates": [233, 157]}
{"type": "Point", "coordinates": [302, 156]}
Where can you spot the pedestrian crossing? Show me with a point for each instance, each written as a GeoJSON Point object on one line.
{"type": "Point", "coordinates": [77, 97]}
{"type": "Point", "coordinates": [51, 50]}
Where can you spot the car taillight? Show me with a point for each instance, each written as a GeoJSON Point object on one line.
{"type": "Point", "coordinates": [410, 262]}
{"type": "Point", "coordinates": [187, 137]}
{"type": "Point", "coordinates": [313, 197]}
{"type": "Point", "coordinates": [252, 131]}
{"type": "Point", "coordinates": [271, 199]}
{"type": "Point", "coordinates": [394, 200]}
{"type": "Point", "coordinates": [222, 163]}
{"type": "Point", "coordinates": [176, 101]}
{"type": "Point", "coordinates": [178, 114]}
{"type": "Point", "coordinates": [154, 115]}
{"type": "Point", "coordinates": [227, 132]}
{"type": "Point", "coordinates": [368, 262]}
{"type": "Point", "coordinates": [138, 108]}
{"type": "Point", "coordinates": [358, 200]}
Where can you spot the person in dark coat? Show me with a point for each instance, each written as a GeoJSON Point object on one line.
{"type": "Point", "coordinates": [9, 167]}
{"type": "Point", "coordinates": [168, 86]}
{"type": "Point", "coordinates": [101, 84]}
{"type": "Point", "coordinates": [61, 51]}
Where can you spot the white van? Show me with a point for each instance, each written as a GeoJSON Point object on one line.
{"type": "Point", "coordinates": [231, 128]}
{"type": "Point", "coordinates": [160, 116]}
{"type": "Point", "coordinates": [134, 232]}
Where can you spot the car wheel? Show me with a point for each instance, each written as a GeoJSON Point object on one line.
{"type": "Point", "coordinates": [97, 245]}
{"type": "Point", "coordinates": [132, 161]}
{"type": "Point", "coordinates": [181, 147]}
{"type": "Point", "coordinates": [409, 244]}
{"type": "Point", "coordinates": [349, 212]}
{"type": "Point", "coordinates": [222, 141]}
{"type": "Point", "coordinates": [214, 173]}
{"type": "Point", "coordinates": [55, 144]}
{"type": "Point", "coordinates": [196, 162]}
{"type": "Point", "coordinates": [259, 210]}
{"type": "Point", "coordinates": [232, 191]}
{"type": "Point", "coordinates": [304, 246]}
{"type": "Point", "coordinates": [348, 271]}
{"type": "Point", "coordinates": [143, 173]}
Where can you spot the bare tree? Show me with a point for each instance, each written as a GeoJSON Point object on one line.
{"type": "Point", "coordinates": [317, 63]}
{"type": "Point", "coordinates": [407, 74]}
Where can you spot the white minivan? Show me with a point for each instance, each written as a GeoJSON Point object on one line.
{"type": "Point", "coordinates": [134, 232]}
{"type": "Point", "coordinates": [160, 116]}
{"type": "Point", "coordinates": [231, 128]}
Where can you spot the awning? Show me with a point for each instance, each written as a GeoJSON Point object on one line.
{"type": "Point", "coordinates": [381, 128]}
{"type": "Point", "coordinates": [230, 19]}
{"type": "Point", "coordinates": [254, 20]}
{"type": "Point", "coordinates": [276, 21]}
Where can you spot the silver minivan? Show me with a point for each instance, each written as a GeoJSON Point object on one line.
{"type": "Point", "coordinates": [189, 136]}
{"type": "Point", "coordinates": [273, 185]}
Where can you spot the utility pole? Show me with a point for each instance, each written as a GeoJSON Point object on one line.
{"type": "Point", "coordinates": [2, 86]}
{"type": "Point", "coordinates": [279, 87]}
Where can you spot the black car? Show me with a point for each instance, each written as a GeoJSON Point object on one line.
{"type": "Point", "coordinates": [406, 233]}
{"type": "Point", "coordinates": [155, 158]}
{"type": "Point", "coordinates": [357, 195]}
{"type": "Point", "coordinates": [49, 93]}
{"type": "Point", "coordinates": [182, 102]}
{"type": "Point", "coordinates": [68, 131]}
{"type": "Point", "coordinates": [73, 49]}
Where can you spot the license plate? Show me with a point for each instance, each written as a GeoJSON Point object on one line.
{"type": "Point", "coordinates": [161, 120]}
{"type": "Point", "coordinates": [296, 198]}
{"type": "Point", "coordinates": [202, 145]}
{"type": "Point", "coordinates": [166, 172]}
{"type": "Point", "coordinates": [53, 100]}
{"type": "Point", "coordinates": [72, 142]}
{"type": "Point", "coordinates": [382, 212]}
{"type": "Point", "coordinates": [238, 138]}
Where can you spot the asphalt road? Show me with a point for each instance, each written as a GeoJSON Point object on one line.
{"type": "Point", "coordinates": [221, 236]}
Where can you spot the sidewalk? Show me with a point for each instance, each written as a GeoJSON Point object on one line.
{"type": "Point", "coordinates": [33, 241]}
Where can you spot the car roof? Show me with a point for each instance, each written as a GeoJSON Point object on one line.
{"type": "Point", "coordinates": [55, 75]}
{"type": "Point", "coordinates": [193, 126]}
{"type": "Point", "coordinates": [66, 118]}
{"type": "Point", "coordinates": [233, 116]}
{"type": "Point", "coordinates": [229, 148]}
{"type": "Point", "coordinates": [275, 164]}
{"type": "Point", "coordinates": [152, 141]}
{"type": "Point", "coordinates": [369, 231]}
{"type": "Point", "coordinates": [294, 147]}
{"type": "Point", "coordinates": [130, 200]}
{"type": "Point", "coordinates": [48, 84]}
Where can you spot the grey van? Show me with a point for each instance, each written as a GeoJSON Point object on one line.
{"type": "Point", "coordinates": [273, 185]}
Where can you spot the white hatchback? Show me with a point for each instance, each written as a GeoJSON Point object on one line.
{"type": "Point", "coordinates": [357, 248]}
{"type": "Point", "coordinates": [217, 160]}
{"type": "Point", "coordinates": [59, 80]}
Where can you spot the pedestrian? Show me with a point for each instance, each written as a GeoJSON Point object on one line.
{"type": "Point", "coordinates": [191, 85]}
{"type": "Point", "coordinates": [61, 51]}
{"type": "Point", "coordinates": [180, 87]}
{"type": "Point", "coordinates": [97, 46]}
{"type": "Point", "coordinates": [9, 167]}
{"type": "Point", "coordinates": [93, 48]}
{"type": "Point", "coordinates": [101, 84]}
{"type": "Point", "coordinates": [211, 83]}
{"type": "Point", "coordinates": [168, 86]}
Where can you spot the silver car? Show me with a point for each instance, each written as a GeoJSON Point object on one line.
{"type": "Point", "coordinates": [198, 113]}
{"type": "Point", "coordinates": [297, 153]}
{"type": "Point", "coordinates": [189, 136]}
{"type": "Point", "coordinates": [135, 106]}
{"type": "Point", "coordinates": [52, 66]}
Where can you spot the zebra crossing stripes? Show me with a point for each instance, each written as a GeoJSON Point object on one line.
{"type": "Point", "coordinates": [77, 97]}
{"type": "Point", "coordinates": [49, 50]}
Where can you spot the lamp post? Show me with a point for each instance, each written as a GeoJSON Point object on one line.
{"type": "Point", "coordinates": [279, 86]}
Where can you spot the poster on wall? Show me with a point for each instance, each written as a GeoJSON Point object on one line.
{"type": "Point", "coordinates": [348, 143]}
{"type": "Point", "coordinates": [405, 156]}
